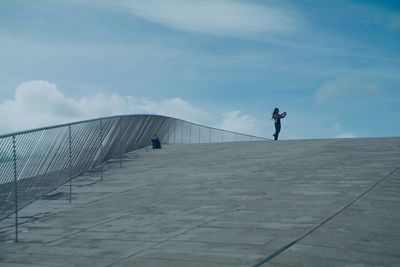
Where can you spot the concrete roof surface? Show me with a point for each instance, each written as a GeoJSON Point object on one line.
{"type": "Point", "coordinates": [333, 202]}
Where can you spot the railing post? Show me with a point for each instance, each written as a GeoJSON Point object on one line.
{"type": "Point", "coordinates": [120, 141]}
{"type": "Point", "coordinates": [15, 186]}
{"type": "Point", "coordinates": [182, 133]}
{"type": "Point", "coordinates": [199, 134]}
{"type": "Point", "coordinates": [101, 149]}
{"type": "Point", "coordinates": [235, 138]}
{"type": "Point", "coordinates": [175, 131]}
{"type": "Point", "coordinates": [222, 136]}
{"type": "Point", "coordinates": [209, 138]}
{"type": "Point", "coordinates": [169, 129]}
{"type": "Point", "coordinates": [190, 133]}
{"type": "Point", "coordinates": [70, 162]}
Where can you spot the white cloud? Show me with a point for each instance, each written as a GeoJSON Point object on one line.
{"type": "Point", "coordinates": [236, 121]}
{"type": "Point", "coordinates": [344, 86]}
{"type": "Point", "coordinates": [345, 135]}
{"type": "Point", "coordinates": [216, 17]}
{"type": "Point", "coordinates": [36, 103]}
{"type": "Point", "coordinates": [41, 103]}
{"type": "Point", "coordinates": [340, 132]}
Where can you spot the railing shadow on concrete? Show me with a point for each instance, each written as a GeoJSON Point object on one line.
{"type": "Point", "coordinates": [33, 163]}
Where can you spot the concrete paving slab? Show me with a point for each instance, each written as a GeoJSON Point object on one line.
{"type": "Point", "coordinates": [228, 235]}
{"type": "Point", "coordinates": [7, 264]}
{"type": "Point", "coordinates": [228, 204]}
{"type": "Point", "coordinates": [146, 262]}
{"type": "Point", "coordinates": [55, 260]}
{"type": "Point", "coordinates": [205, 257]}
{"type": "Point", "coordinates": [120, 248]}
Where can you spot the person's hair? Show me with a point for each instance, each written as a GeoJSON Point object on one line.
{"type": "Point", "coordinates": [276, 111]}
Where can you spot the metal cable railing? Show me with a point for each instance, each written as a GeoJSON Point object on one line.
{"type": "Point", "coordinates": [35, 162]}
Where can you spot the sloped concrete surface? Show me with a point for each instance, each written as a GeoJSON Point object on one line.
{"type": "Point", "coordinates": [285, 203]}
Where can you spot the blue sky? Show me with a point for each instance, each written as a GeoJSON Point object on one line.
{"type": "Point", "coordinates": [332, 65]}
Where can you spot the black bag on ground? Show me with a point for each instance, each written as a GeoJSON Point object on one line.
{"type": "Point", "coordinates": [156, 143]}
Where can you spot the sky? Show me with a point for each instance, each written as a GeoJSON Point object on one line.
{"type": "Point", "coordinates": [333, 66]}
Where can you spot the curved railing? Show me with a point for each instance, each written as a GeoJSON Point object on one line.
{"type": "Point", "coordinates": [35, 162]}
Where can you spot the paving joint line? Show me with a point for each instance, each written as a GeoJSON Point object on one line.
{"type": "Point", "coordinates": [168, 239]}
{"type": "Point", "coordinates": [290, 244]}
{"type": "Point", "coordinates": [158, 243]}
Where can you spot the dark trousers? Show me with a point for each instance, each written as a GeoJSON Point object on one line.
{"type": "Point", "coordinates": [277, 130]}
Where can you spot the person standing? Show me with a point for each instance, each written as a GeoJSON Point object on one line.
{"type": "Point", "coordinates": [277, 118]}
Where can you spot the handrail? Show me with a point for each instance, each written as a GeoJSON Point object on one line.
{"type": "Point", "coordinates": [35, 162]}
{"type": "Point", "coordinates": [126, 115]}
